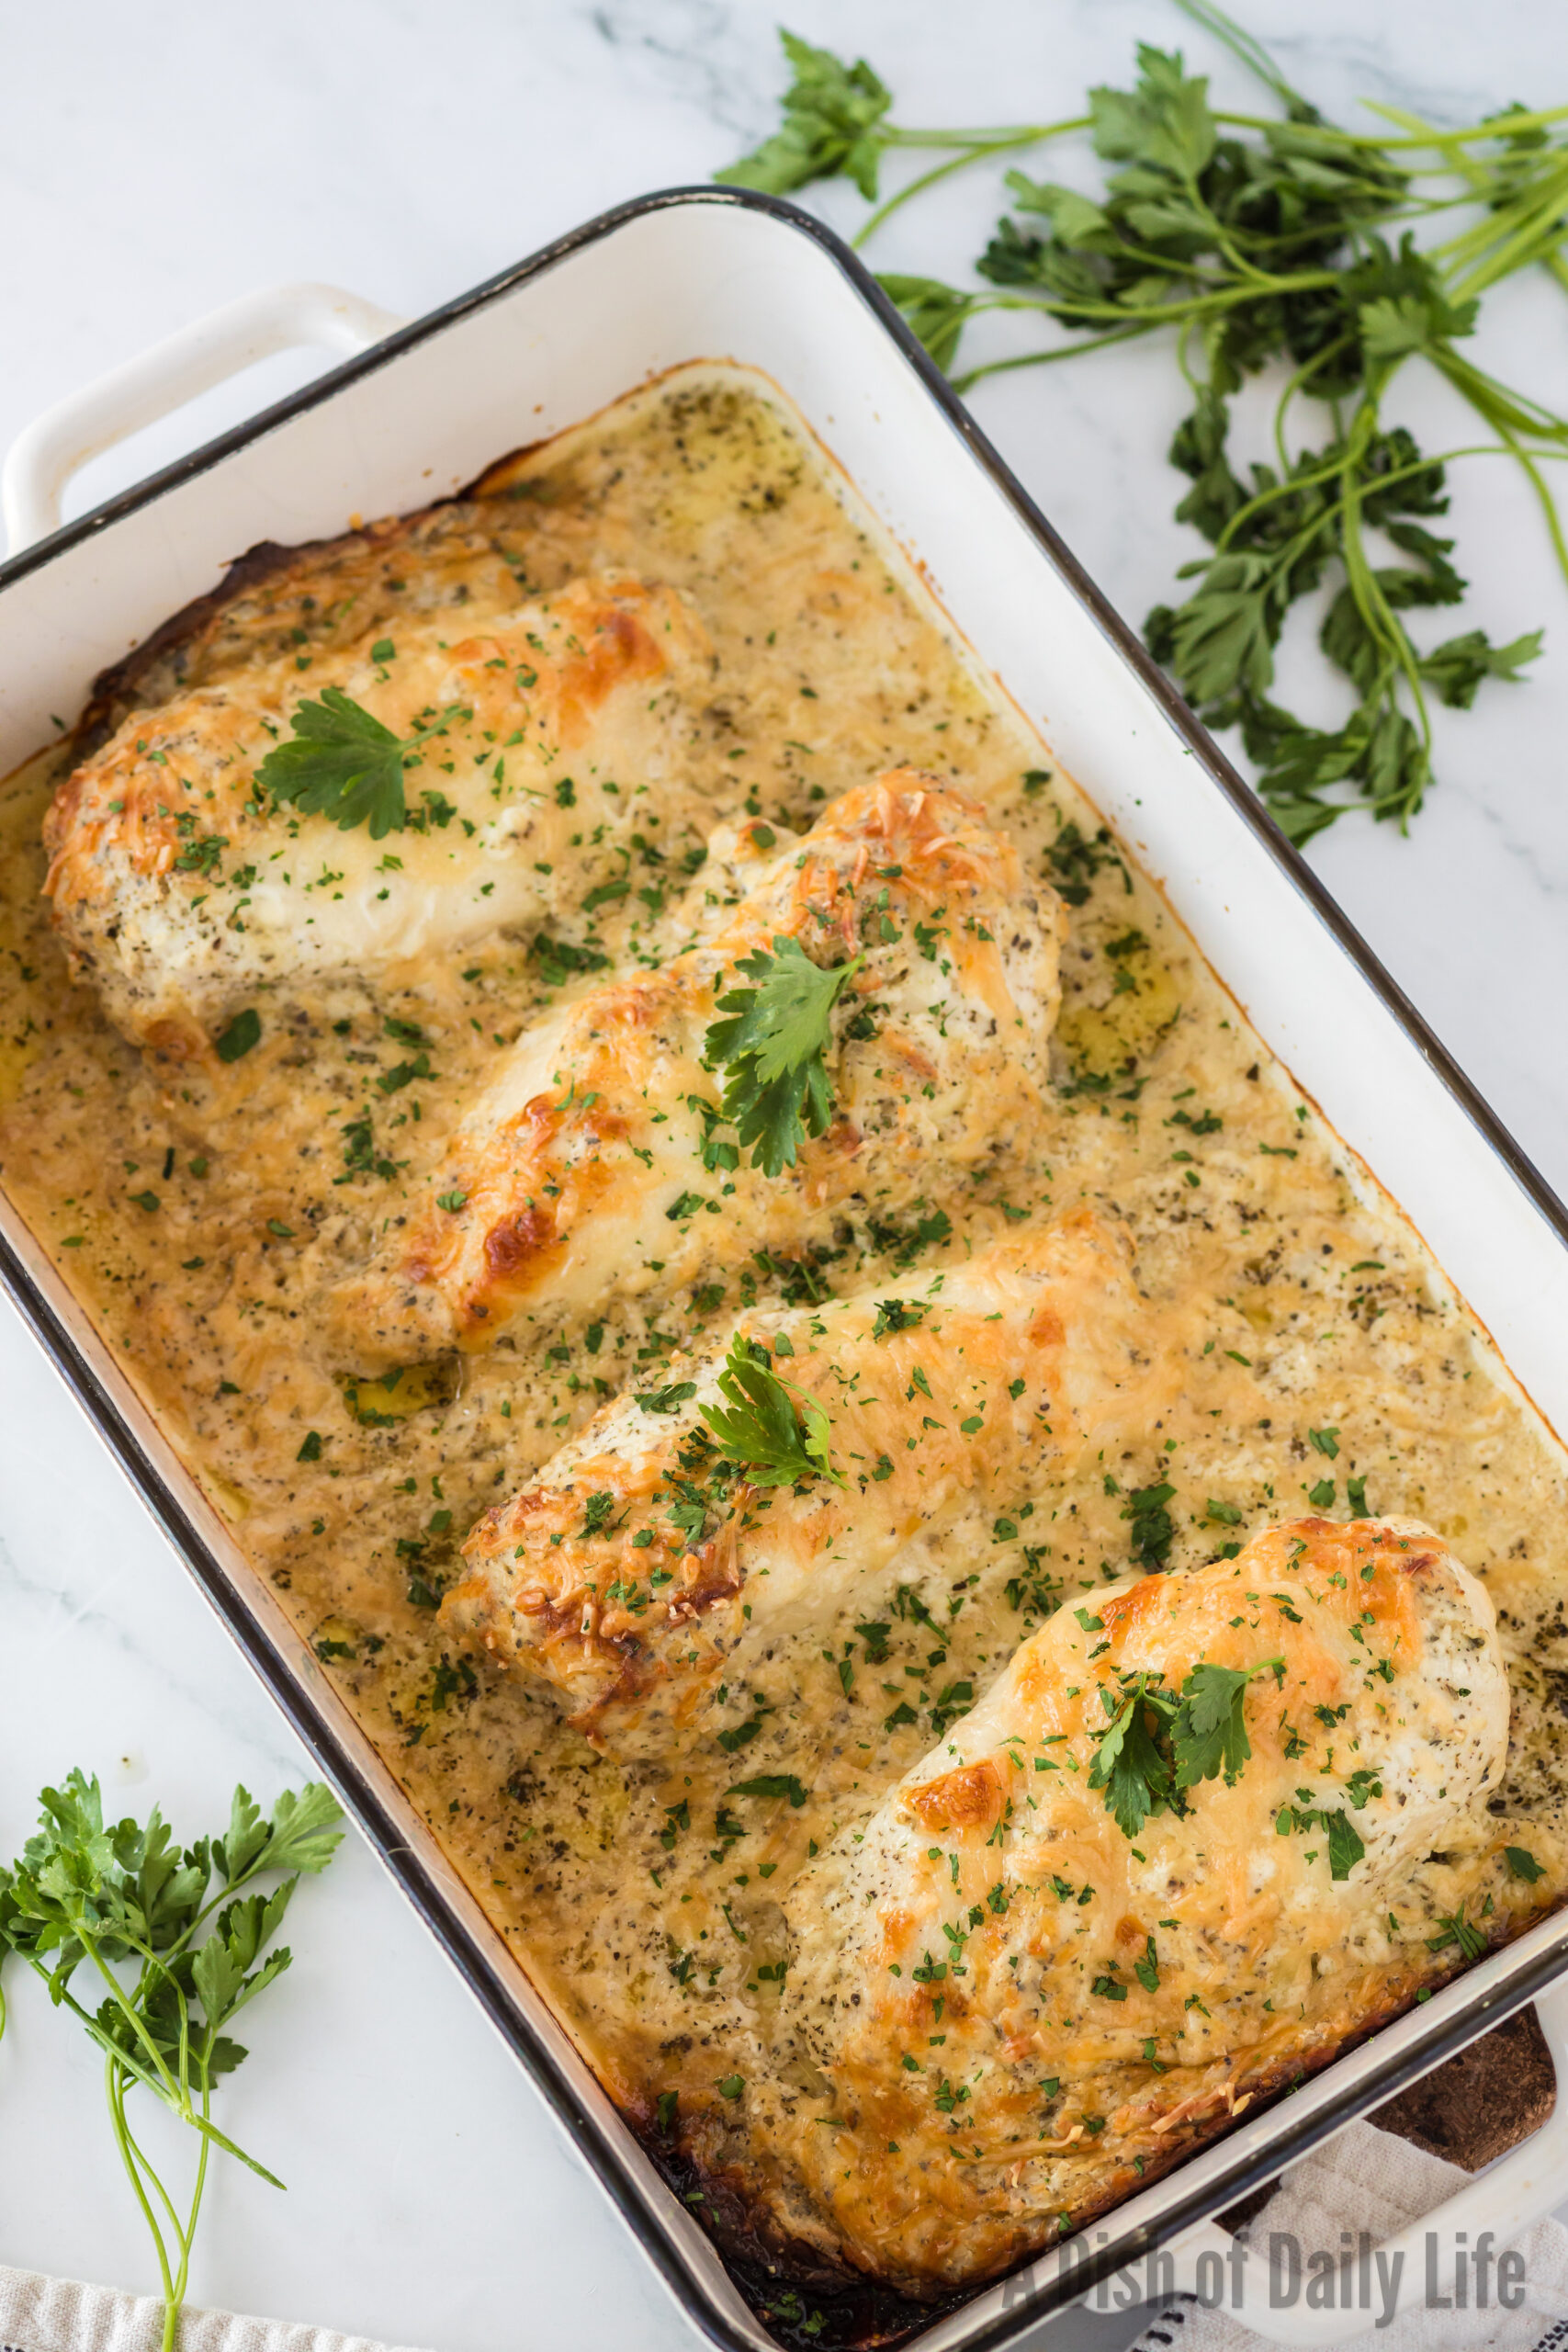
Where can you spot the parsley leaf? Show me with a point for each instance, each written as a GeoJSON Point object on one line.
{"type": "Point", "coordinates": [1208, 1734]}
{"type": "Point", "coordinates": [771, 1784]}
{"type": "Point", "coordinates": [342, 763]}
{"type": "Point", "coordinates": [1128, 1764]}
{"type": "Point", "coordinates": [760, 1428]}
{"type": "Point", "coordinates": [1345, 1846]}
{"type": "Point", "coordinates": [242, 1034]}
{"type": "Point", "coordinates": [936, 311]}
{"type": "Point", "coordinates": [776, 1089]}
{"type": "Point", "coordinates": [669, 1399]}
{"type": "Point", "coordinates": [1161, 1743]}
{"type": "Point", "coordinates": [1153, 1526]}
{"type": "Point", "coordinates": [832, 113]}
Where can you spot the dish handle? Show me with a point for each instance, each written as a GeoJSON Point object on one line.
{"type": "Point", "coordinates": [278, 318]}
{"type": "Point", "coordinates": [1501, 2202]}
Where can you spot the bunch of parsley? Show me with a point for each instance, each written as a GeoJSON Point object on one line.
{"type": "Point", "coordinates": [171, 1943]}
{"type": "Point", "coordinates": [1255, 240]}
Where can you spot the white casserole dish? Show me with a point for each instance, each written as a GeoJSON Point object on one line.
{"type": "Point", "coordinates": [722, 274]}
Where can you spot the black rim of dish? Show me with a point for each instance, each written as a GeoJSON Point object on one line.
{"type": "Point", "coordinates": [610, 2149]}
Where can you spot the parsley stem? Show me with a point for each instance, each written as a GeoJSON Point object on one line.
{"type": "Point", "coordinates": [116, 1995]}
{"type": "Point", "coordinates": [1225, 243]}
{"type": "Point", "coordinates": [1307, 368]}
{"type": "Point", "coordinates": [1431, 134]}
{"type": "Point", "coordinates": [188, 2237]}
{"type": "Point", "coordinates": [1329, 135]}
{"type": "Point", "coordinates": [942, 171]}
{"type": "Point", "coordinates": [1041, 359]}
{"type": "Point", "coordinates": [1518, 410]}
{"type": "Point", "coordinates": [1527, 459]}
{"type": "Point", "coordinates": [143, 2162]}
{"type": "Point", "coordinates": [1381, 621]}
{"type": "Point", "coordinates": [1192, 305]}
{"type": "Point", "coordinates": [1014, 134]}
{"type": "Point", "coordinates": [1242, 46]}
{"type": "Point", "coordinates": [115, 2092]}
{"type": "Point", "coordinates": [1526, 245]}
{"type": "Point", "coordinates": [160, 2083]}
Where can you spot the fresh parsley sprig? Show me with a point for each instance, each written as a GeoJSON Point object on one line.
{"type": "Point", "coordinates": [776, 1441]}
{"type": "Point", "coordinates": [122, 1905]}
{"type": "Point", "coordinates": [342, 763]}
{"type": "Point", "coordinates": [772, 1049]}
{"type": "Point", "coordinates": [1160, 1743]}
{"type": "Point", "coordinates": [1130, 1762]}
{"type": "Point", "coordinates": [1278, 240]}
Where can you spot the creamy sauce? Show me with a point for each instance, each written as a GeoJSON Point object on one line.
{"type": "Point", "coordinates": [1317, 1360]}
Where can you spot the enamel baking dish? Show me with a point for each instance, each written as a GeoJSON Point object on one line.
{"type": "Point", "coordinates": [723, 273]}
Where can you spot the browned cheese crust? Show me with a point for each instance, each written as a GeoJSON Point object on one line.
{"type": "Point", "coordinates": [178, 887]}
{"type": "Point", "coordinates": [1005, 2008]}
{"type": "Point", "coordinates": [990, 1381]}
{"type": "Point", "coordinates": [564, 1183]}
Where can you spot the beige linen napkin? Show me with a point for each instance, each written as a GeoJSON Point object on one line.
{"type": "Point", "coordinates": [1368, 2179]}
{"type": "Point", "coordinates": [38, 2314]}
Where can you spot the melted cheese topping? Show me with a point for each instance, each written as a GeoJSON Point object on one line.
{"type": "Point", "coordinates": [176, 887]}
{"type": "Point", "coordinates": [587, 1167]}
{"type": "Point", "coordinates": [996, 1984]}
{"type": "Point", "coordinates": [1309, 1354]}
{"type": "Point", "coordinates": [984, 1384]}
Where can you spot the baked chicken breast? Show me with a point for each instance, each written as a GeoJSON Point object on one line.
{"type": "Point", "coordinates": [1020, 1988]}
{"type": "Point", "coordinates": [652, 1555]}
{"type": "Point", "coordinates": [599, 1162]}
{"type": "Point", "coordinates": [177, 887]}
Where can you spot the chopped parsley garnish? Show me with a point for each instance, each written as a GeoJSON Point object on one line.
{"type": "Point", "coordinates": [1153, 1526]}
{"type": "Point", "coordinates": [597, 1513]}
{"type": "Point", "coordinates": [1455, 1929]}
{"type": "Point", "coordinates": [243, 1033]}
{"type": "Point", "coordinates": [1344, 1846]}
{"type": "Point", "coordinates": [896, 1315]}
{"type": "Point", "coordinates": [771, 1784]}
{"type": "Point", "coordinates": [669, 1399]}
{"type": "Point", "coordinates": [776, 1089]}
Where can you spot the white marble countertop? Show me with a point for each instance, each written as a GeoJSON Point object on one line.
{"type": "Point", "coordinates": [159, 160]}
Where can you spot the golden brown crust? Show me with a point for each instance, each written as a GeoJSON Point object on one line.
{"type": "Point", "coordinates": [568, 1178]}
{"type": "Point", "coordinates": [178, 887]}
{"type": "Point", "coordinates": [1018, 1360]}
{"type": "Point", "coordinates": [1016, 2002]}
